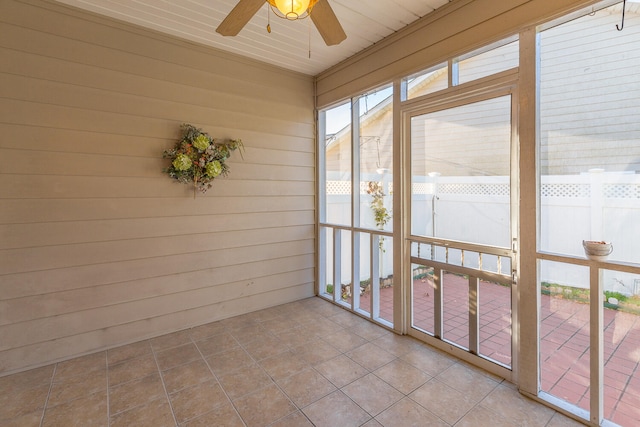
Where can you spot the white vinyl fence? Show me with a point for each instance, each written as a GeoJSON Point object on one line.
{"type": "Point", "coordinates": [596, 205]}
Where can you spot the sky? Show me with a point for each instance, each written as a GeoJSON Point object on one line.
{"type": "Point", "coordinates": [340, 116]}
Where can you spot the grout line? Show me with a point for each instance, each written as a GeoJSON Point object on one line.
{"type": "Point", "coordinates": [164, 387]}
{"type": "Point", "coordinates": [46, 401]}
{"type": "Point", "coordinates": [218, 379]}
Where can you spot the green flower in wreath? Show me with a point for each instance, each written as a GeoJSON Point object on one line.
{"type": "Point", "coordinates": [201, 142]}
{"type": "Point", "coordinates": [182, 162]}
{"type": "Point", "coordinates": [214, 169]}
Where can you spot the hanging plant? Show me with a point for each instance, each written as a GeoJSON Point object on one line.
{"type": "Point", "coordinates": [198, 159]}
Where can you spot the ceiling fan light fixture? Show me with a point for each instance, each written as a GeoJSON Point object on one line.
{"type": "Point", "coordinates": [323, 17]}
{"type": "Point", "coordinates": [293, 9]}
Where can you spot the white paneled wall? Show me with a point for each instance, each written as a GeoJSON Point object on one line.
{"type": "Point", "coordinates": [97, 246]}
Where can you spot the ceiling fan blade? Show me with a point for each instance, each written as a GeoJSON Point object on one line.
{"type": "Point", "coordinates": [327, 23]}
{"type": "Point", "coordinates": [239, 16]}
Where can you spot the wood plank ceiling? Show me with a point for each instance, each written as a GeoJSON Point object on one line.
{"type": "Point", "coordinates": [289, 44]}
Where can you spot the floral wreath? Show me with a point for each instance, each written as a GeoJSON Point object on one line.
{"type": "Point", "coordinates": [198, 158]}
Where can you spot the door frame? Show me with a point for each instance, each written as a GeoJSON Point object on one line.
{"type": "Point", "coordinates": [502, 84]}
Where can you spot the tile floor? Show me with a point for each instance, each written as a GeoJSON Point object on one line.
{"type": "Point", "coordinates": [300, 364]}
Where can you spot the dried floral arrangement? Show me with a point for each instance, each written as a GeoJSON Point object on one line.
{"type": "Point", "coordinates": [198, 159]}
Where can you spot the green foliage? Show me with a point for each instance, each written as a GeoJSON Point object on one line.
{"type": "Point", "coordinates": [380, 213]}
{"type": "Point", "coordinates": [617, 295]}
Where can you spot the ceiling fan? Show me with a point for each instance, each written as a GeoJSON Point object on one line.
{"type": "Point", "coordinates": [320, 12]}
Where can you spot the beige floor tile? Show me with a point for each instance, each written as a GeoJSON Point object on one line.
{"type": "Point", "coordinates": [132, 369]}
{"type": "Point", "coordinates": [168, 341]}
{"type": "Point", "coordinates": [398, 345]}
{"type": "Point", "coordinates": [372, 394]}
{"type": "Point", "coordinates": [328, 311]}
{"type": "Point", "coordinates": [223, 415]}
{"type": "Point", "coordinates": [372, 423]}
{"type": "Point", "coordinates": [217, 344]}
{"type": "Point", "coordinates": [297, 419]}
{"type": "Point", "coordinates": [370, 356]}
{"type": "Point", "coordinates": [126, 352]}
{"type": "Point", "coordinates": [238, 322]}
{"type": "Point", "coordinates": [479, 416]}
{"type": "Point", "coordinates": [22, 401]}
{"type": "Point", "coordinates": [267, 314]}
{"type": "Point", "coordinates": [344, 340]}
{"type": "Point", "coordinates": [407, 413]}
{"type": "Point", "coordinates": [402, 376]}
{"type": "Point", "coordinates": [26, 380]}
{"type": "Point", "coordinates": [27, 420]}
{"type": "Point", "coordinates": [470, 381]}
{"type": "Point", "coordinates": [264, 347]}
{"type": "Point", "coordinates": [186, 375]}
{"type": "Point", "coordinates": [334, 410]}
{"type": "Point", "coordinates": [341, 370]}
{"type": "Point", "coordinates": [197, 400]}
{"type": "Point", "coordinates": [229, 361]}
{"type": "Point", "coordinates": [207, 330]}
{"type": "Point", "coordinates": [304, 317]}
{"type": "Point", "coordinates": [284, 365]}
{"type": "Point", "coordinates": [153, 414]}
{"type": "Point", "coordinates": [249, 333]}
{"type": "Point", "coordinates": [264, 406]}
{"type": "Point", "coordinates": [370, 331]}
{"type": "Point", "coordinates": [317, 351]}
{"type": "Point", "coordinates": [516, 408]}
{"type": "Point", "coordinates": [448, 404]}
{"type": "Point", "coordinates": [87, 411]}
{"type": "Point", "coordinates": [279, 325]}
{"type": "Point", "coordinates": [244, 381]}
{"type": "Point", "coordinates": [429, 360]}
{"type": "Point", "coordinates": [84, 365]}
{"type": "Point", "coordinates": [560, 420]}
{"type": "Point", "coordinates": [297, 337]}
{"type": "Point", "coordinates": [135, 393]}
{"type": "Point", "coordinates": [326, 326]}
{"type": "Point", "coordinates": [306, 387]}
{"type": "Point", "coordinates": [347, 319]}
{"type": "Point", "coordinates": [76, 387]}
{"type": "Point", "coordinates": [322, 306]}
{"type": "Point", "coordinates": [177, 356]}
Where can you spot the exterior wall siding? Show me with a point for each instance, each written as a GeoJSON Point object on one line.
{"type": "Point", "coordinates": [98, 247]}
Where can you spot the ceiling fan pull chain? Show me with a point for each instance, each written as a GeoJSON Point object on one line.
{"type": "Point", "coordinates": [268, 20]}
{"type": "Point", "coordinates": [309, 25]}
